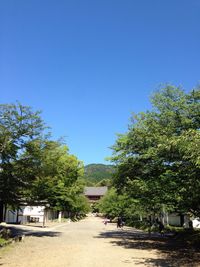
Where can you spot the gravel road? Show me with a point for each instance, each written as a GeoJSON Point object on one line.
{"type": "Point", "coordinates": [87, 243]}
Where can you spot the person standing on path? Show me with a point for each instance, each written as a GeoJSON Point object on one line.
{"type": "Point", "coordinates": [161, 228]}
{"type": "Point", "coordinates": [105, 221]}
{"type": "Point", "coordinates": [119, 222]}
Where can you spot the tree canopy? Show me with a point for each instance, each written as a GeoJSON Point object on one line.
{"type": "Point", "coordinates": [34, 168]}
{"type": "Point", "coordinates": [157, 160]}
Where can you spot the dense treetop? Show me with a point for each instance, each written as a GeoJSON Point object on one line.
{"type": "Point", "coordinates": [157, 160]}
{"type": "Point", "coordinates": [33, 167]}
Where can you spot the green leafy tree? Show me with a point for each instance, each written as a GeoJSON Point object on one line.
{"type": "Point", "coordinates": [112, 204]}
{"type": "Point", "coordinates": [18, 125]}
{"type": "Point", "coordinates": [104, 182]}
{"type": "Point", "coordinates": [157, 160]}
{"type": "Point", "coordinates": [34, 168]}
{"type": "Point", "coordinates": [57, 176]}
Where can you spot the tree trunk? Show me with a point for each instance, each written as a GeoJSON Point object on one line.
{"type": "Point", "coordinates": [1, 211]}
{"type": "Point", "coordinates": [4, 213]}
{"type": "Point", "coordinates": [182, 219]}
{"type": "Point", "coordinates": [17, 216]}
{"type": "Point", "coordinates": [167, 218]}
{"type": "Point", "coordinates": [44, 217]}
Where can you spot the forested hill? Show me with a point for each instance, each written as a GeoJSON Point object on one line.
{"type": "Point", "coordinates": [98, 172]}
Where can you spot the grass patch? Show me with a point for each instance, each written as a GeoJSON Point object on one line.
{"type": "Point", "coordinates": [3, 241]}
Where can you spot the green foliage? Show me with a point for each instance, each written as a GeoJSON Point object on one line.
{"type": "Point", "coordinates": [95, 173]}
{"type": "Point", "coordinates": [158, 159]}
{"type": "Point", "coordinates": [112, 204]}
{"type": "Point", "coordinates": [104, 182]}
{"type": "Point", "coordinates": [34, 168]}
{"type": "Point", "coordinates": [18, 126]}
{"type": "Point", "coordinates": [56, 176]}
{"type": "Point", "coordinates": [80, 205]}
{"type": "Point", "coordinates": [2, 241]}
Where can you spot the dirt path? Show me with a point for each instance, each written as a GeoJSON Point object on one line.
{"type": "Point", "coordinates": [87, 243]}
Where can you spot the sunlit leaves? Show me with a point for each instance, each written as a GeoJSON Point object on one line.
{"type": "Point", "coordinates": [158, 158]}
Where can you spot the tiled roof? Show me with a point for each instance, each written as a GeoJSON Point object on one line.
{"type": "Point", "coordinates": [95, 191]}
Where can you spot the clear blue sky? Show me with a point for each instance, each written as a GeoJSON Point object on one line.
{"type": "Point", "coordinates": [88, 64]}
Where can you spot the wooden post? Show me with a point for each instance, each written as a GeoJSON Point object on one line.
{"type": "Point", "coordinates": [60, 216]}
{"type": "Point", "coordinates": [1, 211]}
{"type": "Point", "coordinates": [44, 217]}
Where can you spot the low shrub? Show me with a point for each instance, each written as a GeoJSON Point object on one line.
{"type": "Point", "coordinates": [2, 242]}
{"type": "Point", "coordinates": [5, 233]}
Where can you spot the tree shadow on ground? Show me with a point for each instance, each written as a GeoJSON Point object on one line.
{"type": "Point", "coordinates": [171, 253]}
{"type": "Point", "coordinates": [29, 232]}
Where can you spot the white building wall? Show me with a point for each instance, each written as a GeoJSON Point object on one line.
{"type": "Point", "coordinates": [25, 213]}
{"type": "Point", "coordinates": [35, 212]}
{"type": "Point", "coordinates": [30, 213]}
{"type": "Point", "coordinates": [11, 216]}
{"type": "Point", "coordinates": [196, 223]}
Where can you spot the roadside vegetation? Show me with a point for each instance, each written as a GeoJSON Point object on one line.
{"type": "Point", "coordinates": [5, 237]}
{"type": "Point", "coordinates": [2, 241]}
{"type": "Point", "coordinates": [157, 163]}
{"type": "Point", "coordinates": [34, 168]}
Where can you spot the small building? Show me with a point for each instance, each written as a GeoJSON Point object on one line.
{"type": "Point", "coordinates": [180, 220]}
{"type": "Point", "coordinates": [27, 214]}
{"type": "Point", "coordinates": [95, 193]}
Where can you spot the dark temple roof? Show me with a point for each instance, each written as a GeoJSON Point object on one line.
{"type": "Point", "coordinates": [95, 191]}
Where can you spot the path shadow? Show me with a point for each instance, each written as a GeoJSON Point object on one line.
{"type": "Point", "coordinates": [29, 232]}
{"type": "Point", "coordinates": [171, 252]}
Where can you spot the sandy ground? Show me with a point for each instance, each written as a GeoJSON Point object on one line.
{"type": "Point", "coordinates": [87, 243]}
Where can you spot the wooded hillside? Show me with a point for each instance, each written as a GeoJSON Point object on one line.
{"type": "Point", "coordinates": [94, 173]}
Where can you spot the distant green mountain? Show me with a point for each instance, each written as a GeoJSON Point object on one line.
{"type": "Point", "coordinates": [95, 173]}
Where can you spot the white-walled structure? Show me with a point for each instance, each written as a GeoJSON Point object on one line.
{"type": "Point", "coordinates": [28, 214]}
{"type": "Point", "coordinates": [175, 219]}
{"type": "Point", "coordinates": [35, 213]}
{"type": "Point", "coordinates": [196, 223]}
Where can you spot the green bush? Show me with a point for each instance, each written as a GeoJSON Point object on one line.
{"type": "Point", "coordinates": [2, 241]}
{"type": "Point", "coordinates": [137, 224]}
